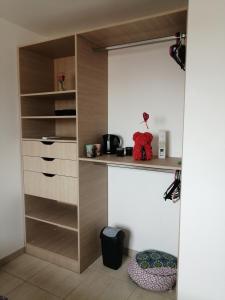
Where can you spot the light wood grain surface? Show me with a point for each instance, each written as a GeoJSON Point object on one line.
{"type": "Point", "coordinates": [92, 101]}
{"type": "Point", "coordinates": [63, 167]}
{"type": "Point", "coordinates": [140, 30]}
{"type": "Point", "coordinates": [93, 210]}
{"type": "Point", "coordinates": [51, 94]}
{"type": "Point", "coordinates": [52, 238]}
{"type": "Point", "coordinates": [54, 150]}
{"type": "Point", "coordinates": [52, 212]}
{"type": "Point", "coordinates": [61, 188]}
{"type": "Point", "coordinates": [54, 48]}
{"type": "Point", "coordinates": [170, 163]}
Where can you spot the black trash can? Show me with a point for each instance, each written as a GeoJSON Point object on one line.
{"type": "Point", "coordinates": [112, 247]}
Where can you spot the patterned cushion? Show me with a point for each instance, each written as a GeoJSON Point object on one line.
{"type": "Point", "coordinates": [153, 270]}
{"type": "Point", "coordinates": [157, 262]}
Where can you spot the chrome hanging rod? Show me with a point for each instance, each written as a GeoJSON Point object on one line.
{"type": "Point", "coordinates": [141, 43]}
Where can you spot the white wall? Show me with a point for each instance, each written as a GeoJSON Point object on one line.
{"type": "Point", "coordinates": [202, 238]}
{"type": "Point", "coordinates": [145, 79]}
{"type": "Point", "coordinates": [11, 204]}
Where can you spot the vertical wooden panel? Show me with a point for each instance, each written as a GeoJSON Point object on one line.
{"type": "Point", "coordinates": [93, 210]}
{"type": "Point", "coordinates": [92, 86]}
{"type": "Point", "coordinates": [92, 105]}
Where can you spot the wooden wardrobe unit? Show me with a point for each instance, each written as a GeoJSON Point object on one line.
{"type": "Point", "coordinates": [66, 197]}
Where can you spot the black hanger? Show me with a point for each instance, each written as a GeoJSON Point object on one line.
{"type": "Point", "coordinates": [173, 191]}
{"type": "Point", "coordinates": [178, 51]}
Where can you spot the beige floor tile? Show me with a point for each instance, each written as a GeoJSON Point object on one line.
{"type": "Point", "coordinates": [117, 290]}
{"type": "Point", "coordinates": [141, 294]}
{"type": "Point", "coordinates": [25, 266]}
{"type": "Point", "coordinates": [27, 291]}
{"type": "Point", "coordinates": [172, 295]}
{"type": "Point", "coordinates": [121, 273]}
{"type": "Point", "coordinates": [92, 287]}
{"type": "Point", "coordinates": [57, 281]}
{"type": "Point", "coordinates": [8, 282]}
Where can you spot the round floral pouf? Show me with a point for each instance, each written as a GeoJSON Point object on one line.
{"type": "Point", "coordinates": [153, 270]}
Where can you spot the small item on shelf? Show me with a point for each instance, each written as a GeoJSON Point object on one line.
{"type": "Point", "coordinates": [110, 143]}
{"type": "Point", "coordinates": [65, 112]}
{"type": "Point", "coordinates": [120, 151]}
{"type": "Point", "coordinates": [61, 80]}
{"type": "Point", "coordinates": [142, 146]}
{"type": "Point", "coordinates": [162, 144]}
{"type": "Point", "coordinates": [129, 151]}
{"type": "Point", "coordinates": [142, 142]}
{"type": "Point", "coordinates": [98, 149]}
{"type": "Point", "coordinates": [90, 150]}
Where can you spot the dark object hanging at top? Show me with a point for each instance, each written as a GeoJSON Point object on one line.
{"type": "Point", "coordinates": [173, 191]}
{"type": "Point", "coordinates": [178, 51]}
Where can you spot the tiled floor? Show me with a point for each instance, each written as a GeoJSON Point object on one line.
{"type": "Point", "coordinates": [29, 278]}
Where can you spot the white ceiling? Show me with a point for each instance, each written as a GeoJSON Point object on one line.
{"type": "Point", "coordinates": [56, 17]}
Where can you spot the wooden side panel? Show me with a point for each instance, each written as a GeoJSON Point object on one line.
{"type": "Point", "coordinates": [92, 105]}
{"type": "Point", "coordinates": [36, 72]}
{"type": "Point", "coordinates": [92, 86]}
{"type": "Point", "coordinates": [93, 207]}
{"type": "Point", "coordinates": [143, 29]}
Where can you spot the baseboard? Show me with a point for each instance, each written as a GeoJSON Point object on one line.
{"type": "Point", "coordinates": [12, 256]}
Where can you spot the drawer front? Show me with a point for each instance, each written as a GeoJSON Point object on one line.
{"type": "Point", "coordinates": [61, 188]}
{"type": "Point", "coordinates": [50, 149]}
{"type": "Point", "coordinates": [56, 166]}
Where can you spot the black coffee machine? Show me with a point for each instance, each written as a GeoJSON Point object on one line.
{"type": "Point", "coordinates": [110, 143]}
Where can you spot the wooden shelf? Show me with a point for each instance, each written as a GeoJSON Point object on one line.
{"type": "Point", "coordinates": [60, 140]}
{"type": "Point", "coordinates": [51, 212]}
{"type": "Point", "coordinates": [49, 117]}
{"type": "Point", "coordinates": [56, 94]}
{"type": "Point", "coordinates": [168, 164]}
{"type": "Point", "coordinates": [52, 238]}
{"type": "Point", "coordinates": [147, 28]}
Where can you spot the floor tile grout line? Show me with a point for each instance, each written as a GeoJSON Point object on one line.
{"type": "Point", "coordinates": [78, 286]}
{"type": "Point", "coordinates": [27, 281]}
{"type": "Point", "coordinates": [9, 292]}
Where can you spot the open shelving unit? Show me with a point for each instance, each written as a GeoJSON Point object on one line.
{"type": "Point", "coordinates": [63, 224]}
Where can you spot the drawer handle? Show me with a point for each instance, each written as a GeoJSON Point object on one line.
{"type": "Point", "coordinates": [48, 175]}
{"type": "Point", "coordinates": [48, 158]}
{"type": "Point", "coordinates": [47, 143]}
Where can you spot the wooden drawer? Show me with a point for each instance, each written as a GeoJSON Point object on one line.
{"type": "Point", "coordinates": [51, 165]}
{"type": "Point", "coordinates": [50, 149]}
{"type": "Point", "coordinates": [61, 188]}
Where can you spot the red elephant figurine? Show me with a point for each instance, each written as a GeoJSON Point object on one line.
{"type": "Point", "coordinates": [142, 146]}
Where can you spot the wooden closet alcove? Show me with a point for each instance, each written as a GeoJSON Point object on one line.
{"type": "Point", "coordinates": [66, 197]}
